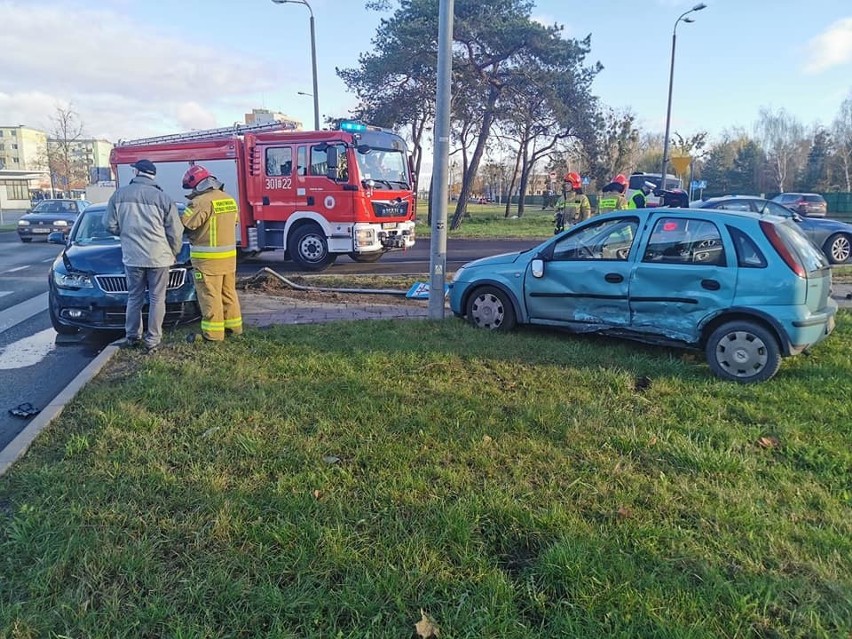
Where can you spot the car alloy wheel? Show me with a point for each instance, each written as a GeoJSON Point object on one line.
{"type": "Point", "coordinates": [743, 352]}
{"type": "Point", "coordinates": [838, 248]}
{"type": "Point", "coordinates": [489, 307]}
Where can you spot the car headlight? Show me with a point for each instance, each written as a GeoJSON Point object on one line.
{"type": "Point", "coordinates": [23, 223]}
{"type": "Point", "coordinates": [60, 223]}
{"type": "Point", "coordinates": [365, 237]}
{"type": "Point", "coordinates": [458, 274]}
{"type": "Point", "coordinates": [72, 280]}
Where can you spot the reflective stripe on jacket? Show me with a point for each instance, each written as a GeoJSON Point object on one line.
{"type": "Point", "coordinates": [211, 219]}
{"type": "Point", "coordinates": [611, 202]}
{"type": "Point", "coordinates": [577, 207]}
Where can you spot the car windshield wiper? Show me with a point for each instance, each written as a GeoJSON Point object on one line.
{"type": "Point", "coordinates": [376, 181]}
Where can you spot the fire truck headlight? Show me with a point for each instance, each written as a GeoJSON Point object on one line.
{"type": "Point", "coordinates": [365, 237]}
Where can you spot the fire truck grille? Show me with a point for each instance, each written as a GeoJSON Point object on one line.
{"type": "Point", "coordinates": [390, 209]}
{"type": "Point", "coordinates": [118, 283]}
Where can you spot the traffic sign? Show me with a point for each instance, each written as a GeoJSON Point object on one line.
{"type": "Point", "coordinates": [681, 163]}
{"type": "Point", "coordinates": [586, 181]}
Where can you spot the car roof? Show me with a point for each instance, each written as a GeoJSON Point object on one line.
{"type": "Point", "coordinates": [725, 198]}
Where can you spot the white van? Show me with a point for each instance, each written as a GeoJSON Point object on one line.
{"type": "Point", "coordinates": [638, 179]}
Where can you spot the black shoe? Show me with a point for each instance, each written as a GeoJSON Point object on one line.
{"type": "Point", "coordinates": [151, 350]}
{"type": "Point", "coordinates": [130, 343]}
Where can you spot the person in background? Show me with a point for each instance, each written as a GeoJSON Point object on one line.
{"type": "Point", "coordinates": [211, 220]}
{"type": "Point", "coordinates": [612, 195]}
{"type": "Point", "coordinates": [574, 205]}
{"type": "Point", "coordinates": [639, 199]}
{"type": "Point", "coordinates": [146, 221]}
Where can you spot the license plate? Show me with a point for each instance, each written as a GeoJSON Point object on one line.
{"type": "Point", "coordinates": [389, 225]}
{"type": "Point", "coordinates": [41, 230]}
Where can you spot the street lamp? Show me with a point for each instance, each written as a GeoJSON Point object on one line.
{"type": "Point", "coordinates": [683, 17]}
{"type": "Point", "coordinates": [313, 57]}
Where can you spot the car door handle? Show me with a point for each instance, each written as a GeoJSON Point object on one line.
{"type": "Point", "coordinates": [710, 285]}
{"type": "Point", "coordinates": [614, 278]}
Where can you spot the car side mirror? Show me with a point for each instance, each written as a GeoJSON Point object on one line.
{"type": "Point", "coordinates": [796, 217]}
{"type": "Point", "coordinates": [57, 237]}
{"type": "Point", "coordinates": [331, 162]}
{"type": "Point", "coordinates": [537, 267]}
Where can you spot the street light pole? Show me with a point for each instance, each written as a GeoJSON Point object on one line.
{"type": "Point", "coordinates": [313, 57]}
{"type": "Point", "coordinates": [683, 17]}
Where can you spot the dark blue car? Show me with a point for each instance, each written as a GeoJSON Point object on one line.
{"type": "Point", "coordinates": [88, 287]}
{"type": "Point", "coordinates": [832, 236]}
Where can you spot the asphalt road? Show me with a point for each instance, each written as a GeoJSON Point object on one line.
{"type": "Point", "coordinates": [34, 364]}
{"type": "Point", "coordinates": [415, 260]}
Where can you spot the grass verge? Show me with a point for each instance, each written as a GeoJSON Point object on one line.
{"type": "Point", "coordinates": [341, 480]}
{"type": "Point", "coordinates": [488, 221]}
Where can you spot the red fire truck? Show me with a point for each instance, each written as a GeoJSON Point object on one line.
{"type": "Point", "coordinates": [315, 194]}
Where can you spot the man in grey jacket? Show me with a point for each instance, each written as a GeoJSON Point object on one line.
{"type": "Point", "coordinates": [147, 221]}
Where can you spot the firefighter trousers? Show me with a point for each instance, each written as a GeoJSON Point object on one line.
{"type": "Point", "coordinates": [220, 306]}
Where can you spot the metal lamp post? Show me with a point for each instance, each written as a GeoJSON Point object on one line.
{"type": "Point", "coordinates": [313, 57]}
{"type": "Point", "coordinates": [684, 18]}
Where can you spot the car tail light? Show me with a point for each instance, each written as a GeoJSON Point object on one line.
{"type": "Point", "coordinates": [789, 257]}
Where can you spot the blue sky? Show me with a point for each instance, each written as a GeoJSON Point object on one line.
{"type": "Point", "coordinates": [134, 68]}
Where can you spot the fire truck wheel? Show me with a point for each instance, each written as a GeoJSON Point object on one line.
{"type": "Point", "coordinates": [366, 258]}
{"type": "Point", "coordinates": [309, 249]}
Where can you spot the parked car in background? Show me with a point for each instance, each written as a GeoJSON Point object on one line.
{"type": "Point", "coordinates": [687, 277]}
{"type": "Point", "coordinates": [807, 204]}
{"type": "Point", "coordinates": [87, 286]}
{"type": "Point", "coordinates": [49, 216]}
{"type": "Point", "coordinates": [637, 179]}
{"type": "Point", "coordinates": [834, 238]}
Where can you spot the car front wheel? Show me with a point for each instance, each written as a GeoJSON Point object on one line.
{"type": "Point", "coordinates": [489, 307]}
{"type": "Point", "coordinates": [308, 247]}
{"type": "Point", "coordinates": [838, 248]}
{"type": "Point", "coordinates": [744, 352]}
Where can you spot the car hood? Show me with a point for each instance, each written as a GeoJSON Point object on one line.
{"type": "Point", "coordinates": [503, 258]}
{"type": "Point", "coordinates": [105, 258]}
{"type": "Point", "coordinates": [48, 217]}
{"type": "Point", "coordinates": [824, 224]}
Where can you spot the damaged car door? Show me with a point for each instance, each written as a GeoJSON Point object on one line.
{"type": "Point", "coordinates": [585, 277]}
{"type": "Point", "coordinates": [685, 273]}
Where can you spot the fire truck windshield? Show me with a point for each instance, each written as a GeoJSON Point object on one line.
{"type": "Point", "coordinates": [384, 167]}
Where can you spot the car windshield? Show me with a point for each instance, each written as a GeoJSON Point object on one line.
{"type": "Point", "coordinates": [387, 169]}
{"type": "Point", "coordinates": [55, 206]}
{"type": "Point", "coordinates": [90, 228]}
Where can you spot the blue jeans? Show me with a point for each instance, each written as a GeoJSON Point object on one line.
{"type": "Point", "coordinates": [155, 280]}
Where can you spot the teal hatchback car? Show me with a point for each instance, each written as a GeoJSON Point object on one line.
{"type": "Point", "coordinates": [746, 288]}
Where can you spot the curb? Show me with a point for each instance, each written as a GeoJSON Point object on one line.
{"type": "Point", "coordinates": [18, 446]}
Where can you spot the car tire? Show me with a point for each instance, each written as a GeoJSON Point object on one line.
{"type": "Point", "coordinates": [490, 307]}
{"type": "Point", "coordinates": [58, 326]}
{"type": "Point", "coordinates": [26, 240]}
{"type": "Point", "coordinates": [743, 352]}
{"type": "Point", "coordinates": [366, 258]}
{"type": "Point", "coordinates": [838, 248]}
{"type": "Point", "coordinates": [308, 247]}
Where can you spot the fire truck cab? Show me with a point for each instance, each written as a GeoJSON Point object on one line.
{"type": "Point", "coordinates": [315, 194]}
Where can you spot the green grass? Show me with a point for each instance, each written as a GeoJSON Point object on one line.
{"type": "Point", "coordinates": [488, 221]}
{"type": "Point", "coordinates": [336, 480]}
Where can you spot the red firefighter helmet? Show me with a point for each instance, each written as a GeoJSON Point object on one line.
{"type": "Point", "coordinates": [194, 175]}
{"type": "Point", "coordinates": [574, 179]}
{"type": "Point", "coordinates": [620, 179]}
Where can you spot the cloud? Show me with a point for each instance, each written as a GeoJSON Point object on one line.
{"type": "Point", "coordinates": [831, 48]}
{"type": "Point", "coordinates": [124, 79]}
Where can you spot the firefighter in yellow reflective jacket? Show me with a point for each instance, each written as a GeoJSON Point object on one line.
{"type": "Point", "coordinates": [211, 218]}
{"type": "Point", "coordinates": [574, 205]}
{"type": "Point", "coordinates": [612, 195]}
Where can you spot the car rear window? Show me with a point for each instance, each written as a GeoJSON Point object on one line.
{"type": "Point", "coordinates": [814, 198]}
{"type": "Point", "coordinates": [811, 257]}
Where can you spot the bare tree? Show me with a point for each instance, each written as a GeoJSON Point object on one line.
{"type": "Point", "coordinates": [66, 167]}
{"type": "Point", "coordinates": [841, 131]}
{"type": "Point", "coordinates": [781, 136]}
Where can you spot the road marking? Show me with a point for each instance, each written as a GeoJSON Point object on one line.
{"type": "Point", "coordinates": [48, 260]}
{"type": "Point", "coordinates": [28, 351]}
{"type": "Point", "coordinates": [23, 311]}
{"type": "Point", "coordinates": [18, 268]}
{"type": "Point", "coordinates": [2, 293]}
